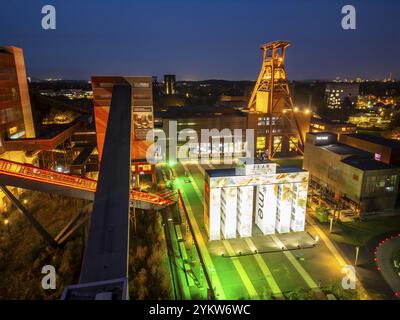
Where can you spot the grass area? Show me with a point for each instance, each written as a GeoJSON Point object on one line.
{"type": "Point", "coordinates": [396, 261]}
{"type": "Point", "coordinates": [358, 233]}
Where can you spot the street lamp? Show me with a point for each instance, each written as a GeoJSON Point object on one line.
{"type": "Point", "coordinates": [357, 253]}
{"type": "Point", "coordinates": [331, 224]}
{"type": "Point", "coordinates": [7, 223]}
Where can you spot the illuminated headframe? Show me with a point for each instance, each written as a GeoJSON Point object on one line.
{"type": "Point", "coordinates": [271, 98]}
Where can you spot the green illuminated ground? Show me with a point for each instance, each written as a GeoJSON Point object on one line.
{"type": "Point", "coordinates": [256, 276]}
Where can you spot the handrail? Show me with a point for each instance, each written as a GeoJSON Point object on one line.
{"type": "Point", "coordinates": [28, 171]}
{"type": "Point", "coordinates": [31, 172]}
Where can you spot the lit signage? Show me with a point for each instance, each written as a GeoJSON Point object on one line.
{"type": "Point", "coordinates": [265, 213]}
{"type": "Point", "coordinates": [258, 169]}
{"type": "Point", "coordinates": [322, 138]}
{"type": "Point", "coordinates": [260, 204]}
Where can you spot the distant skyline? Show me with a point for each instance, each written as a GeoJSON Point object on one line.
{"type": "Point", "coordinates": [199, 40]}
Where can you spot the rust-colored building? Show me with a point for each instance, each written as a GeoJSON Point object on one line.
{"type": "Point", "coordinates": [142, 118]}
{"type": "Point", "coordinates": [16, 119]}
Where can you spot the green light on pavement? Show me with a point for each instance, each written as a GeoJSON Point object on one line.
{"type": "Point", "coordinates": [171, 164]}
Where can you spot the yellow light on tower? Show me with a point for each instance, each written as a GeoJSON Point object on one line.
{"type": "Point", "coordinates": [6, 221]}
{"type": "Point", "coordinates": [296, 109]}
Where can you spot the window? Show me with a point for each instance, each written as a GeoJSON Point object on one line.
{"type": "Point", "coordinates": [381, 184]}
{"type": "Point", "coordinates": [141, 84]}
{"type": "Point", "coordinates": [277, 144]}
{"type": "Point", "coordinates": [261, 142]}
{"type": "Point", "coordinates": [142, 96]}
{"type": "Point", "coordinates": [293, 143]}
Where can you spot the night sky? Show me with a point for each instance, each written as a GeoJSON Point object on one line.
{"type": "Point", "coordinates": [208, 39]}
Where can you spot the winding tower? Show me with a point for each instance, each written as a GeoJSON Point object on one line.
{"type": "Point", "coordinates": [280, 127]}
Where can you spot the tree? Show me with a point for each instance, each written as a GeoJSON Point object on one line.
{"type": "Point", "coordinates": [340, 293]}
{"type": "Point", "coordinates": [302, 294]}
{"type": "Point", "coordinates": [395, 123]}
{"type": "Point", "coordinates": [347, 109]}
{"type": "Point", "coordinates": [321, 213]}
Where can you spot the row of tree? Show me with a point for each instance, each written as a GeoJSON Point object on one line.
{"type": "Point", "coordinates": [148, 260]}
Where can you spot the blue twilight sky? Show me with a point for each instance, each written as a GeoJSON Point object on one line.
{"type": "Point", "coordinates": [208, 39]}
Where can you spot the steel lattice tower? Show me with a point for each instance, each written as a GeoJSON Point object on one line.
{"type": "Point", "coordinates": [271, 99]}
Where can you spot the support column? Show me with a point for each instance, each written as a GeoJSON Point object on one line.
{"type": "Point", "coordinates": [213, 216]}
{"type": "Point", "coordinates": [284, 208]}
{"type": "Point", "coordinates": [266, 200]}
{"type": "Point", "coordinates": [298, 218]}
{"type": "Point", "coordinates": [245, 211]}
{"type": "Point", "coordinates": [229, 212]}
{"type": "Point", "coordinates": [39, 228]}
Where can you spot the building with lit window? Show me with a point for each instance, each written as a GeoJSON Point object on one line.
{"type": "Point", "coordinates": [226, 120]}
{"type": "Point", "coordinates": [336, 127]}
{"type": "Point", "coordinates": [337, 92]}
{"type": "Point", "coordinates": [345, 173]}
{"type": "Point", "coordinates": [369, 120]}
{"type": "Point", "coordinates": [142, 119]}
{"type": "Point", "coordinates": [169, 82]}
{"type": "Point", "coordinates": [198, 118]}
{"type": "Point", "coordinates": [254, 198]}
{"type": "Point", "coordinates": [285, 140]}
{"type": "Point", "coordinates": [16, 119]}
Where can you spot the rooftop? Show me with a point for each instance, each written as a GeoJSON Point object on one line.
{"type": "Point", "coordinates": [198, 112]}
{"type": "Point", "coordinates": [329, 122]}
{"type": "Point", "coordinates": [367, 164]}
{"type": "Point", "coordinates": [254, 161]}
{"type": "Point", "coordinates": [376, 140]}
{"type": "Point", "coordinates": [231, 172]}
{"type": "Point", "coordinates": [343, 149]}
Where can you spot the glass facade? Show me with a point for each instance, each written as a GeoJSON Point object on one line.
{"type": "Point", "coordinates": [381, 184]}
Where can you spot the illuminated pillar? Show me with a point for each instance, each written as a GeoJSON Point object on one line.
{"type": "Point", "coordinates": [299, 207]}
{"type": "Point", "coordinates": [266, 208]}
{"type": "Point", "coordinates": [215, 214]}
{"type": "Point", "coordinates": [284, 208]}
{"type": "Point", "coordinates": [229, 212]}
{"type": "Point", "coordinates": [245, 211]}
